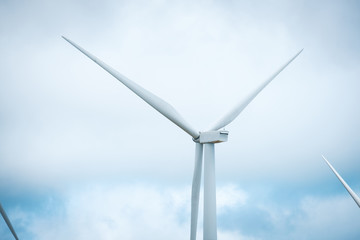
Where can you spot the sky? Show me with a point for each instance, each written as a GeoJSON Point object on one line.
{"type": "Point", "coordinates": [82, 157]}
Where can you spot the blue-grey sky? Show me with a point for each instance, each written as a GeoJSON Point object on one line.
{"type": "Point", "coordinates": [82, 157]}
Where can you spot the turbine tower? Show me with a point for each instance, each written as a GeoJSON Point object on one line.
{"type": "Point", "coordinates": [350, 191]}
{"type": "Point", "coordinates": [204, 142]}
{"type": "Point", "coordinates": [8, 223]}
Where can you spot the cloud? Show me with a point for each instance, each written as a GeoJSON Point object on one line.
{"type": "Point", "coordinates": [137, 211]}
{"type": "Point", "coordinates": [335, 218]}
{"type": "Point", "coordinates": [65, 122]}
{"type": "Point", "coordinates": [230, 196]}
{"type": "Point", "coordinates": [124, 212]}
{"type": "Point", "coordinates": [62, 113]}
{"type": "Point", "coordinates": [314, 217]}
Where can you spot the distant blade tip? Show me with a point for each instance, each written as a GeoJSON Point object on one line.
{"type": "Point", "coordinates": [65, 39]}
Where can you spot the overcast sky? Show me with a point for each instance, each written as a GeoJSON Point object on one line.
{"type": "Point", "coordinates": [82, 157]}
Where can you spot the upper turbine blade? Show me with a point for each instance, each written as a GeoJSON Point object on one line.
{"type": "Point", "coordinates": [351, 192]}
{"type": "Point", "coordinates": [233, 113]}
{"type": "Point", "coordinates": [3, 213]}
{"type": "Point", "coordinates": [160, 105]}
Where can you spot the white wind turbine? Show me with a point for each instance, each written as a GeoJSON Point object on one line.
{"type": "Point", "coordinates": [205, 140]}
{"type": "Point", "coordinates": [7, 220]}
{"type": "Point", "coordinates": [351, 192]}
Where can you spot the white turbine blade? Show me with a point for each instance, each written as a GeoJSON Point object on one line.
{"type": "Point", "coordinates": [7, 220]}
{"type": "Point", "coordinates": [195, 192]}
{"type": "Point", "coordinates": [351, 192]}
{"type": "Point", "coordinates": [233, 113]}
{"type": "Point", "coordinates": [210, 226]}
{"type": "Point", "coordinates": [160, 105]}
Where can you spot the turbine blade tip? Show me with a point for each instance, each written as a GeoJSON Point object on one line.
{"type": "Point", "coordinates": [66, 39]}
{"type": "Point", "coordinates": [299, 52]}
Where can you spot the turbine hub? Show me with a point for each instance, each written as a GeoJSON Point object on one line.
{"type": "Point", "coordinates": [212, 137]}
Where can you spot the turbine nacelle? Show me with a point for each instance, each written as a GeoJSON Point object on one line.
{"type": "Point", "coordinates": [212, 137]}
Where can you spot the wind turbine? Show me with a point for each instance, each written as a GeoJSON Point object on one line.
{"type": "Point", "coordinates": [204, 142]}
{"type": "Point", "coordinates": [7, 220]}
{"type": "Point", "coordinates": [351, 192]}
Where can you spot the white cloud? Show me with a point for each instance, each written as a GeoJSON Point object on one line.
{"type": "Point", "coordinates": [314, 217]}
{"type": "Point", "coordinates": [138, 211]}
{"type": "Point", "coordinates": [62, 113]}
{"type": "Point", "coordinates": [336, 217]}
{"type": "Point", "coordinates": [230, 196]}
{"type": "Point", "coordinates": [126, 212]}
{"type": "Point", "coordinates": [64, 121]}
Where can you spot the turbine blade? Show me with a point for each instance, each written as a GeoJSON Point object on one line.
{"type": "Point", "coordinates": [233, 113]}
{"type": "Point", "coordinates": [195, 192]}
{"type": "Point", "coordinates": [8, 223]}
{"type": "Point", "coordinates": [160, 105]}
{"type": "Point", "coordinates": [351, 192]}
